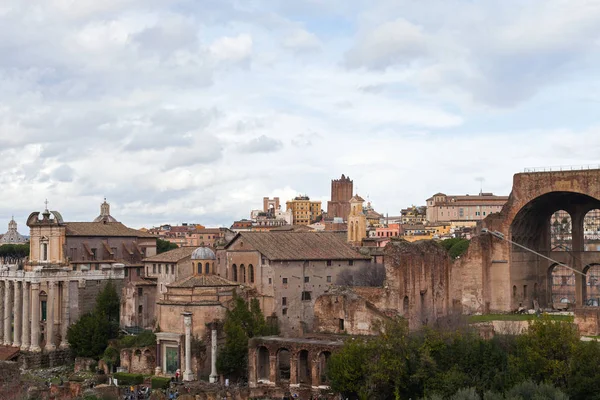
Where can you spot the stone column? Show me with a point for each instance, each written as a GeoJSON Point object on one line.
{"type": "Point", "coordinates": [158, 369]}
{"type": "Point", "coordinates": [273, 368]}
{"type": "Point", "coordinates": [577, 244]}
{"type": "Point", "coordinates": [294, 369]}
{"type": "Point", "coordinates": [18, 313]}
{"type": "Point", "coordinates": [314, 373]}
{"type": "Point", "coordinates": [50, 346]}
{"type": "Point", "coordinates": [7, 315]}
{"type": "Point", "coordinates": [213, 355]}
{"type": "Point", "coordinates": [64, 324]}
{"type": "Point", "coordinates": [2, 283]}
{"type": "Point", "coordinates": [35, 317]}
{"type": "Point", "coordinates": [188, 375]}
{"type": "Point", "coordinates": [25, 334]}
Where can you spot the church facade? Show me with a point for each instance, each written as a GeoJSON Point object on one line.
{"type": "Point", "coordinates": [68, 265]}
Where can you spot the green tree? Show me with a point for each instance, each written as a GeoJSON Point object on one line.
{"type": "Point", "coordinates": [242, 322]}
{"type": "Point", "coordinates": [164, 245]}
{"type": "Point", "coordinates": [543, 353]}
{"type": "Point", "coordinates": [88, 337]}
{"type": "Point", "coordinates": [108, 307]}
{"type": "Point", "coordinates": [348, 369]}
{"type": "Point", "coordinates": [584, 373]}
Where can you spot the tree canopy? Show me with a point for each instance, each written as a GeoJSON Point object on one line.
{"type": "Point", "coordinates": [89, 336]}
{"type": "Point", "coordinates": [547, 362]}
{"type": "Point", "coordinates": [242, 322]}
{"type": "Point", "coordinates": [164, 245]}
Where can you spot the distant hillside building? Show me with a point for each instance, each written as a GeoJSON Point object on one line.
{"type": "Point", "coordinates": [444, 208]}
{"type": "Point", "coordinates": [12, 236]}
{"type": "Point", "coordinates": [341, 193]}
{"type": "Point", "coordinates": [304, 211]}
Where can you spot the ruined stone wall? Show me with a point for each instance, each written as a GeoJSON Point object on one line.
{"type": "Point", "coordinates": [417, 281]}
{"type": "Point", "coordinates": [344, 311]}
{"type": "Point", "coordinates": [588, 321]}
{"type": "Point", "coordinates": [31, 360]}
{"type": "Point", "coordinates": [140, 360]}
{"type": "Point", "coordinates": [10, 375]}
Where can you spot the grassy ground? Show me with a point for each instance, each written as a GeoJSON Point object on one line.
{"type": "Point", "coordinates": [513, 317]}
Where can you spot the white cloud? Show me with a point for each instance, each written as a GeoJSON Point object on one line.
{"type": "Point", "coordinates": [234, 49]}
{"type": "Point", "coordinates": [302, 41]}
{"type": "Point", "coordinates": [393, 42]}
{"type": "Point", "coordinates": [142, 101]}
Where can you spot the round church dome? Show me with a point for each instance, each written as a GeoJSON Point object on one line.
{"type": "Point", "coordinates": [203, 253]}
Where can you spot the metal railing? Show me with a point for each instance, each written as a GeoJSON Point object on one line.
{"type": "Point", "coordinates": [562, 168]}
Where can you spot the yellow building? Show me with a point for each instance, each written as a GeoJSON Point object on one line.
{"type": "Point", "coordinates": [357, 221]}
{"type": "Point", "coordinates": [304, 211]}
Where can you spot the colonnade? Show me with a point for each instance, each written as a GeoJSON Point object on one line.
{"type": "Point", "coordinates": [21, 317]}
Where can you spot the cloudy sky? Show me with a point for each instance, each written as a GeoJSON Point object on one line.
{"type": "Point", "coordinates": [193, 110]}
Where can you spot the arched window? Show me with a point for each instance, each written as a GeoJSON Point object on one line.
{"type": "Point", "coordinates": [405, 304]}
{"type": "Point", "coordinates": [234, 273]}
{"type": "Point", "coordinates": [251, 273]}
{"type": "Point", "coordinates": [199, 268]}
{"type": "Point", "coordinates": [242, 273]}
{"type": "Point", "coordinates": [207, 268]}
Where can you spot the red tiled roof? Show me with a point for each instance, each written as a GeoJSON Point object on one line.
{"type": "Point", "coordinates": [174, 255]}
{"type": "Point", "coordinates": [114, 229]}
{"type": "Point", "coordinates": [299, 245]}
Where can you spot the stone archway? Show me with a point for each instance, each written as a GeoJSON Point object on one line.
{"type": "Point", "coordinates": [322, 367]}
{"type": "Point", "coordinates": [283, 365]}
{"type": "Point", "coordinates": [304, 368]}
{"type": "Point", "coordinates": [262, 364]}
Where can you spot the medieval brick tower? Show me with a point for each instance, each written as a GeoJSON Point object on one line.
{"type": "Point", "coordinates": [341, 193]}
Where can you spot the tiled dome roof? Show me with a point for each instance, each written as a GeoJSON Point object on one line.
{"type": "Point", "coordinates": [203, 253]}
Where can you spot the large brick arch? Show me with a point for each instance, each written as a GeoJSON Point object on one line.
{"type": "Point", "coordinates": [512, 274]}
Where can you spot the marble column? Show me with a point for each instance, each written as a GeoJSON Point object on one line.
{"type": "Point", "coordinates": [213, 355]}
{"type": "Point", "coordinates": [18, 313]}
{"type": "Point", "coordinates": [64, 324]}
{"type": "Point", "coordinates": [35, 317]}
{"type": "Point", "coordinates": [7, 314]}
{"type": "Point", "coordinates": [26, 330]}
{"type": "Point", "coordinates": [188, 375]}
{"type": "Point", "coordinates": [50, 346]}
{"type": "Point", "coordinates": [1, 314]}
{"type": "Point", "coordinates": [158, 370]}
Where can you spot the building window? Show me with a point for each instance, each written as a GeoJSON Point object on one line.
{"type": "Point", "coordinates": [306, 296]}
{"type": "Point", "coordinates": [351, 262]}
{"type": "Point", "coordinates": [328, 278]}
{"type": "Point", "coordinates": [138, 271]}
{"type": "Point", "coordinates": [284, 301]}
{"type": "Point", "coordinates": [329, 263]}
{"type": "Point", "coordinates": [94, 251]}
{"type": "Point", "coordinates": [153, 268]}
{"type": "Point", "coordinates": [284, 280]}
{"type": "Point", "coordinates": [44, 251]}
{"type": "Point", "coordinates": [251, 273]}
{"type": "Point", "coordinates": [159, 268]}
{"type": "Point", "coordinates": [140, 291]}
{"type": "Point", "coordinates": [97, 267]}
{"type": "Point", "coordinates": [44, 310]}
{"type": "Point", "coordinates": [341, 324]}
{"type": "Point", "coordinates": [270, 281]}
{"type": "Point", "coordinates": [126, 272]}
{"type": "Point", "coordinates": [284, 311]}
{"type": "Point", "coordinates": [173, 269]}
{"type": "Point", "coordinates": [306, 279]}
{"type": "Point", "coordinates": [140, 308]}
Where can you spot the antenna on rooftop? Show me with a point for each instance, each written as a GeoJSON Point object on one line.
{"type": "Point", "coordinates": [480, 179]}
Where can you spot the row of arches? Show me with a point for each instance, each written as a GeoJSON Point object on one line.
{"type": "Point", "coordinates": [207, 268]}
{"type": "Point", "coordinates": [239, 274]}
{"type": "Point", "coordinates": [297, 368]}
{"type": "Point", "coordinates": [562, 285]}
{"type": "Point", "coordinates": [561, 231]}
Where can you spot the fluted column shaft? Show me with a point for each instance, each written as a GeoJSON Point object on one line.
{"type": "Point", "coordinates": [2, 284]}
{"type": "Point", "coordinates": [18, 313]}
{"type": "Point", "coordinates": [35, 317]}
{"type": "Point", "coordinates": [213, 355]}
{"type": "Point", "coordinates": [26, 329]}
{"type": "Point", "coordinates": [187, 321]}
{"type": "Point", "coordinates": [65, 315]}
{"type": "Point", "coordinates": [7, 314]}
{"type": "Point", "coordinates": [50, 346]}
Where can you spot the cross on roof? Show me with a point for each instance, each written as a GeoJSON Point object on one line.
{"type": "Point", "coordinates": [46, 203]}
